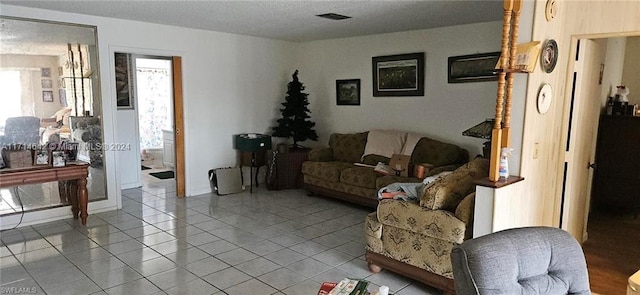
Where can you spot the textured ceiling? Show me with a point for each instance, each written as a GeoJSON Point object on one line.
{"type": "Point", "coordinates": [288, 20]}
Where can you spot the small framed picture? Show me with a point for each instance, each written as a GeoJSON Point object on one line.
{"type": "Point", "coordinates": [348, 92]}
{"type": "Point", "coordinates": [70, 150]}
{"type": "Point", "coordinates": [57, 158]}
{"type": "Point", "coordinates": [45, 72]}
{"type": "Point", "coordinates": [47, 83]}
{"type": "Point", "coordinates": [47, 96]}
{"type": "Point", "coordinates": [41, 157]}
{"type": "Point", "coordinates": [60, 72]}
{"type": "Point", "coordinates": [125, 76]}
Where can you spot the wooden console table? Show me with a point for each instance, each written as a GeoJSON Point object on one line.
{"type": "Point", "coordinates": [75, 174]}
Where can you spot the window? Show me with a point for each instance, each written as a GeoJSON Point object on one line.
{"type": "Point", "coordinates": [11, 96]}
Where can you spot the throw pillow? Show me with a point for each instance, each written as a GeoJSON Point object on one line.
{"type": "Point", "coordinates": [411, 142]}
{"type": "Point", "coordinates": [61, 113]}
{"type": "Point", "coordinates": [348, 147]}
{"type": "Point", "coordinates": [384, 142]}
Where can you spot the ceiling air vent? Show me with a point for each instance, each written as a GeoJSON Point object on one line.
{"type": "Point", "coordinates": [333, 16]}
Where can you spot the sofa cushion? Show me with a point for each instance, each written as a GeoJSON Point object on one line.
{"type": "Point", "coordinates": [447, 192]}
{"type": "Point", "coordinates": [325, 170]}
{"type": "Point", "coordinates": [364, 192]}
{"type": "Point", "coordinates": [437, 153]}
{"type": "Point", "coordinates": [359, 176]}
{"type": "Point", "coordinates": [375, 159]}
{"type": "Point", "coordinates": [440, 224]}
{"type": "Point", "coordinates": [384, 142]}
{"type": "Point", "coordinates": [348, 147]}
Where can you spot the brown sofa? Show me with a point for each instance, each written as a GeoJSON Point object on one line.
{"type": "Point", "coordinates": [415, 239]}
{"type": "Point", "coordinates": [331, 171]}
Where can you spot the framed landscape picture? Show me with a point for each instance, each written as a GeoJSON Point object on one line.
{"type": "Point", "coordinates": [398, 75]}
{"type": "Point", "coordinates": [348, 92]}
{"type": "Point", "coordinates": [473, 67]}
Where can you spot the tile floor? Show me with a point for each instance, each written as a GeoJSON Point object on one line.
{"type": "Point", "coordinates": [268, 242]}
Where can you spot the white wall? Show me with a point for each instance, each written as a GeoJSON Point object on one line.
{"type": "Point", "coordinates": [232, 84]}
{"type": "Point", "coordinates": [631, 72]}
{"type": "Point", "coordinates": [613, 65]}
{"type": "Point", "coordinates": [323, 62]}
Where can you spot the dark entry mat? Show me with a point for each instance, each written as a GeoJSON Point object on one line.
{"type": "Point", "coordinates": [163, 174]}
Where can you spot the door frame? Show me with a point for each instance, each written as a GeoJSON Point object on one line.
{"type": "Point", "coordinates": [561, 152]}
{"type": "Point", "coordinates": [178, 117]}
{"type": "Point", "coordinates": [178, 126]}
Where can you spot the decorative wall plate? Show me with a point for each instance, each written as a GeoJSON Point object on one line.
{"type": "Point", "coordinates": [544, 98]}
{"type": "Point", "coordinates": [549, 55]}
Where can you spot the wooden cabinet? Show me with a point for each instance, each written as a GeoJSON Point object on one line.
{"type": "Point", "coordinates": [287, 171]}
{"type": "Point", "coordinates": [617, 177]}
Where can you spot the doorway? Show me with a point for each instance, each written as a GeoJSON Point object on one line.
{"type": "Point", "coordinates": [154, 89]}
{"type": "Point", "coordinates": [609, 237]}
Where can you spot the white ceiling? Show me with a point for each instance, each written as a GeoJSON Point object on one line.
{"type": "Point", "coordinates": [288, 20]}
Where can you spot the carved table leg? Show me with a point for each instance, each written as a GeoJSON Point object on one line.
{"type": "Point", "coordinates": [72, 191]}
{"type": "Point", "coordinates": [83, 199]}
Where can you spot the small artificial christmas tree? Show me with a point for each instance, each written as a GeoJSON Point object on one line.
{"type": "Point", "coordinates": [295, 119]}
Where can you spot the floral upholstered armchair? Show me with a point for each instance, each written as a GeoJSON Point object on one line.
{"type": "Point", "coordinates": [415, 239]}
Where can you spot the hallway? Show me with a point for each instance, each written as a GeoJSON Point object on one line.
{"type": "Point", "coordinates": [612, 251]}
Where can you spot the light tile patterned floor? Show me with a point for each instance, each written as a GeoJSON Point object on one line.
{"type": "Point", "coordinates": [268, 242]}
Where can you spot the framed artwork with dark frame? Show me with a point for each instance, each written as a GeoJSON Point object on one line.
{"type": "Point", "coordinates": [47, 96]}
{"type": "Point", "coordinates": [45, 72]}
{"type": "Point", "coordinates": [398, 75]}
{"type": "Point", "coordinates": [348, 92]}
{"type": "Point", "coordinates": [124, 80]}
{"type": "Point", "coordinates": [473, 67]}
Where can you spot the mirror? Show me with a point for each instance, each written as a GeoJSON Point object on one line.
{"type": "Point", "coordinates": [49, 76]}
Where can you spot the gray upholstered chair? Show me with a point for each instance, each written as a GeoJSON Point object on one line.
{"type": "Point", "coordinates": [21, 131]}
{"type": "Point", "coordinates": [530, 260]}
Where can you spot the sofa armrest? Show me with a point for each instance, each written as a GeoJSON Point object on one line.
{"type": "Point", "coordinates": [464, 212]}
{"type": "Point", "coordinates": [321, 154]}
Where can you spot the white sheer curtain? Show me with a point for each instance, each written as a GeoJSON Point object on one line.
{"type": "Point", "coordinates": [154, 92]}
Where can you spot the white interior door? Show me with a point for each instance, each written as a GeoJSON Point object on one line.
{"type": "Point", "coordinates": [581, 143]}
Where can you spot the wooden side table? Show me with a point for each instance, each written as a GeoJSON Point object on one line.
{"type": "Point", "coordinates": [288, 168]}
{"type": "Point", "coordinates": [253, 159]}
